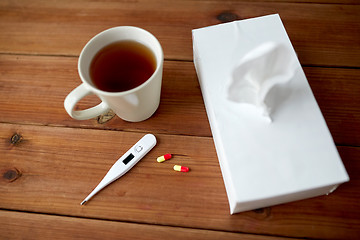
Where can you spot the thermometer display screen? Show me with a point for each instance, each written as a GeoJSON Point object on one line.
{"type": "Point", "coordinates": [128, 158]}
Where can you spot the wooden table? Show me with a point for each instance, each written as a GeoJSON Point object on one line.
{"type": "Point", "coordinates": [50, 162]}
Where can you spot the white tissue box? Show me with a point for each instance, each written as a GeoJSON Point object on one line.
{"type": "Point", "coordinates": [262, 163]}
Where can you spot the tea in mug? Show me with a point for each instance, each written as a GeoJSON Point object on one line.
{"type": "Point", "coordinates": [121, 66]}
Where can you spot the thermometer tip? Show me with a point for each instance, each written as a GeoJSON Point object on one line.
{"type": "Point", "coordinates": [83, 202]}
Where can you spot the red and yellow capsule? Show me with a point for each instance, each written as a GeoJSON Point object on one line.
{"type": "Point", "coordinates": [181, 168]}
{"type": "Point", "coordinates": [164, 158]}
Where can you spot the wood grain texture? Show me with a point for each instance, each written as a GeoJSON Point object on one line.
{"type": "Point", "coordinates": [59, 166]}
{"type": "Point", "coordinates": [355, 2]}
{"type": "Point", "coordinates": [34, 88]}
{"type": "Point", "coordinates": [16, 225]}
{"type": "Point", "coordinates": [322, 34]}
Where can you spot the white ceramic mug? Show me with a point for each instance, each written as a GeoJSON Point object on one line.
{"type": "Point", "coordinates": [133, 105]}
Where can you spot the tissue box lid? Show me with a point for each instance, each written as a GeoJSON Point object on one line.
{"type": "Point", "coordinates": [264, 164]}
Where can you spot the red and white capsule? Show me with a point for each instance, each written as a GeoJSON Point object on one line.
{"type": "Point", "coordinates": [164, 158]}
{"type": "Point", "coordinates": [179, 168]}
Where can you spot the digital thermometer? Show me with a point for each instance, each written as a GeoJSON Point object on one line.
{"type": "Point", "coordinates": [125, 163]}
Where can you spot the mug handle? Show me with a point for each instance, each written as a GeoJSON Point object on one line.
{"type": "Point", "coordinates": [75, 96]}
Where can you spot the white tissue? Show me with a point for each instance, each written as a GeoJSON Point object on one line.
{"type": "Point", "coordinates": [258, 72]}
{"type": "Point", "coordinates": [262, 165]}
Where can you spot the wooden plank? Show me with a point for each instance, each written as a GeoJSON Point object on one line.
{"type": "Point", "coordinates": [337, 93]}
{"type": "Point", "coordinates": [16, 225]}
{"type": "Point", "coordinates": [34, 88]}
{"type": "Point", "coordinates": [320, 33]}
{"type": "Point", "coordinates": [51, 169]}
{"type": "Point", "coordinates": [355, 2]}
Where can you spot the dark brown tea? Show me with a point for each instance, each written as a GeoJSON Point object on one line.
{"type": "Point", "coordinates": [122, 66]}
